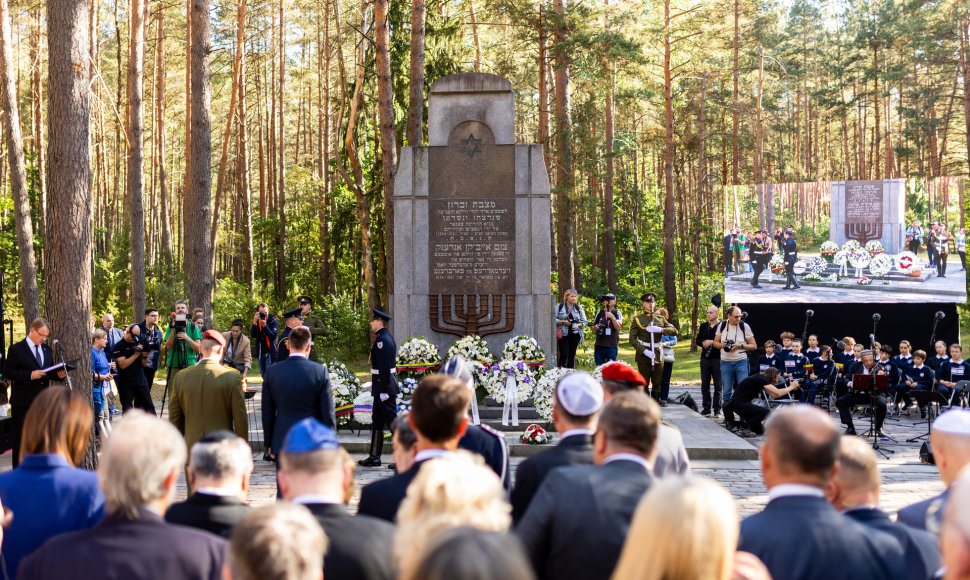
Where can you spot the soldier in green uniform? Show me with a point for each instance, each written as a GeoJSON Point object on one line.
{"type": "Point", "coordinates": [317, 328]}
{"type": "Point", "coordinates": [645, 334]}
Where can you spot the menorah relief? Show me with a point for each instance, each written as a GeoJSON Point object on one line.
{"type": "Point", "coordinates": [471, 314]}
{"type": "Point", "coordinates": [863, 232]}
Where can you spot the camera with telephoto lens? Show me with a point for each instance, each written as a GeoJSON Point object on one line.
{"type": "Point", "coordinates": [728, 345]}
{"type": "Point", "coordinates": [179, 322]}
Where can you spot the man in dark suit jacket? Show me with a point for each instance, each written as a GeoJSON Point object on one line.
{"type": "Point", "coordinates": [25, 361]}
{"type": "Point", "coordinates": [950, 441]}
{"type": "Point", "coordinates": [139, 468]}
{"type": "Point", "coordinates": [575, 402]}
{"type": "Point", "coordinates": [578, 520]}
{"type": "Point", "coordinates": [799, 535]}
{"type": "Point", "coordinates": [439, 419]}
{"type": "Point", "coordinates": [208, 396]}
{"type": "Point", "coordinates": [312, 474]}
{"type": "Point", "coordinates": [855, 491]}
{"type": "Point", "coordinates": [220, 465]}
{"type": "Point", "coordinates": [295, 389]}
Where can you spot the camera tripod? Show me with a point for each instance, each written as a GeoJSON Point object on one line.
{"type": "Point", "coordinates": [181, 362]}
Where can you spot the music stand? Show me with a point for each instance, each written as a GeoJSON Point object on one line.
{"type": "Point", "coordinates": [871, 384]}
{"type": "Point", "coordinates": [927, 398]}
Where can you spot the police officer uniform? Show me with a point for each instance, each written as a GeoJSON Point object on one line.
{"type": "Point", "coordinates": [384, 387]}
{"type": "Point", "coordinates": [645, 333]}
{"type": "Point", "coordinates": [791, 254]}
{"type": "Point", "coordinates": [283, 342]}
{"type": "Point", "coordinates": [316, 326]}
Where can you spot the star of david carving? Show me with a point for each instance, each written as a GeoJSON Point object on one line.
{"type": "Point", "coordinates": [471, 145]}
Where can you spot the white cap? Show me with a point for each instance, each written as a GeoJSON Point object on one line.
{"type": "Point", "coordinates": [579, 394]}
{"type": "Point", "coordinates": [954, 421]}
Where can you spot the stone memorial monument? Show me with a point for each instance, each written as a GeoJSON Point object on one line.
{"type": "Point", "coordinates": [869, 210]}
{"type": "Point", "coordinates": [472, 223]}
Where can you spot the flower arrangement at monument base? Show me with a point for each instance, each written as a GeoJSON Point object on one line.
{"type": "Point", "coordinates": [364, 407]}
{"type": "Point", "coordinates": [828, 250]}
{"type": "Point", "coordinates": [545, 388]}
{"type": "Point", "coordinates": [496, 380]}
{"type": "Point", "coordinates": [472, 348]}
{"type": "Point", "coordinates": [812, 277]}
{"type": "Point", "coordinates": [776, 264]}
{"type": "Point", "coordinates": [524, 349]}
{"type": "Point", "coordinates": [864, 281]}
{"type": "Point", "coordinates": [598, 372]}
{"type": "Point", "coordinates": [874, 247]}
{"type": "Point", "coordinates": [345, 387]}
{"type": "Point", "coordinates": [417, 357]}
{"type": "Point", "coordinates": [534, 435]}
{"type": "Point", "coordinates": [406, 387]}
{"type": "Point", "coordinates": [851, 246]}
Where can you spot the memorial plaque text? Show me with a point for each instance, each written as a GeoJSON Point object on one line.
{"type": "Point", "coordinates": [863, 202]}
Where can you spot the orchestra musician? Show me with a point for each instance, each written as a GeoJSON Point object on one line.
{"type": "Point", "coordinates": [845, 403]}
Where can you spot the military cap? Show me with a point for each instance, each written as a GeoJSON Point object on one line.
{"type": "Point", "coordinates": [648, 297]}
{"type": "Point", "coordinates": [304, 298]}
{"type": "Point", "coordinates": [380, 315]}
{"type": "Point", "coordinates": [295, 313]}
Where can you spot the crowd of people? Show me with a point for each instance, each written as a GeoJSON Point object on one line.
{"type": "Point", "coordinates": [607, 502]}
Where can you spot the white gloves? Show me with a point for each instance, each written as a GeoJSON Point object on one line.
{"type": "Point", "coordinates": [649, 353]}
{"type": "Point", "coordinates": [384, 396]}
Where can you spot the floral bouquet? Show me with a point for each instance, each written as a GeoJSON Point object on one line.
{"type": "Point", "coordinates": [524, 349]}
{"type": "Point", "coordinates": [364, 407]}
{"type": "Point", "coordinates": [851, 246]}
{"type": "Point", "coordinates": [345, 387]}
{"type": "Point", "coordinates": [817, 265]}
{"type": "Point", "coordinates": [880, 265]}
{"type": "Point", "coordinates": [542, 397]}
{"type": "Point", "coordinates": [496, 377]}
{"type": "Point", "coordinates": [812, 277]}
{"type": "Point", "coordinates": [777, 264]}
{"type": "Point", "coordinates": [407, 387]}
{"type": "Point", "coordinates": [859, 258]}
{"type": "Point", "coordinates": [598, 372]}
{"type": "Point", "coordinates": [472, 348]}
{"type": "Point", "coordinates": [864, 281]}
{"type": "Point", "coordinates": [417, 357]}
{"type": "Point", "coordinates": [874, 247]}
{"type": "Point", "coordinates": [535, 435]}
{"type": "Point", "coordinates": [828, 249]}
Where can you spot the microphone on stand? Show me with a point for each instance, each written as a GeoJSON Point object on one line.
{"type": "Point", "coordinates": [809, 313]}
{"type": "Point", "coordinates": [940, 315]}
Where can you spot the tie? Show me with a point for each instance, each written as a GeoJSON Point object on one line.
{"type": "Point", "coordinates": [40, 357]}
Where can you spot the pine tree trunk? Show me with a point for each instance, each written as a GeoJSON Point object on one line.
{"type": "Point", "coordinates": [388, 139]}
{"type": "Point", "coordinates": [68, 271]}
{"type": "Point", "coordinates": [37, 94]}
{"type": "Point", "coordinates": [242, 156]}
{"type": "Point", "coordinates": [608, 218]}
{"type": "Point", "coordinates": [735, 103]}
{"type": "Point", "coordinates": [18, 172]}
{"type": "Point", "coordinates": [281, 169]}
{"type": "Point", "coordinates": [323, 147]}
{"type": "Point", "coordinates": [669, 264]}
{"type": "Point", "coordinates": [198, 199]}
{"type": "Point", "coordinates": [416, 97]}
{"type": "Point", "coordinates": [565, 225]}
{"type": "Point", "coordinates": [166, 219]}
{"type": "Point", "coordinates": [136, 138]}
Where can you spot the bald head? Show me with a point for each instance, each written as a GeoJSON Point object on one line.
{"type": "Point", "coordinates": [955, 533]}
{"type": "Point", "coordinates": [857, 480]}
{"type": "Point", "coordinates": [802, 446]}
{"type": "Point", "coordinates": [950, 439]}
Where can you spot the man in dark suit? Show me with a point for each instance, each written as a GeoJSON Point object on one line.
{"type": "Point", "coordinates": [281, 540]}
{"type": "Point", "coordinates": [25, 361]}
{"type": "Point", "coordinates": [383, 385]}
{"type": "Point", "coordinates": [575, 402]}
{"type": "Point", "coordinates": [295, 389]}
{"type": "Point", "coordinates": [854, 490]}
{"type": "Point", "coordinates": [312, 473]}
{"type": "Point", "coordinates": [950, 441]}
{"type": "Point", "coordinates": [578, 520]}
{"type": "Point", "coordinates": [799, 535]}
{"type": "Point", "coordinates": [439, 418]}
{"type": "Point", "coordinates": [482, 439]}
{"type": "Point", "coordinates": [208, 396]}
{"type": "Point", "coordinates": [139, 469]}
{"type": "Point", "coordinates": [220, 465]}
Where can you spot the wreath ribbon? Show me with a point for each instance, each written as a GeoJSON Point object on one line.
{"type": "Point", "coordinates": [344, 410]}
{"type": "Point", "coordinates": [510, 409]}
{"type": "Point", "coordinates": [418, 367]}
{"type": "Point", "coordinates": [475, 418]}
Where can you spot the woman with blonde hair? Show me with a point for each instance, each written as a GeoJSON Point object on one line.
{"type": "Point", "coordinates": [570, 322]}
{"type": "Point", "coordinates": [456, 489]}
{"type": "Point", "coordinates": [685, 529]}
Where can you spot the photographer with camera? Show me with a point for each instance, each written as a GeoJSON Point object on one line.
{"type": "Point", "coordinates": [607, 324]}
{"type": "Point", "coordinates": [733, 336]}
{"type": "Point", "coordinates": [152, 335]}
{"type": "Point", "coordinates": [710, 363]}
{"type": "Point", "coordinates": [132, 386]}
{"type": "Point", "coordinates": [237, 353]}
{"type": "Point", "coordinates": [182, 338]}
{"type": "Point", "coordinates": [263, 332]}
{"type": "Point", "coordinates": [570, 322]}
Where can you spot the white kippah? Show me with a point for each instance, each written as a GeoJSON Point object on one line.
{"type": "Point", "coordinates": [955, 421]}
{"type": "Point", "coordinates": [579, 394]}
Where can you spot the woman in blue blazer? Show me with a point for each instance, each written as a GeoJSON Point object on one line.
{"type": "Point", "coordinates": [46, 493]}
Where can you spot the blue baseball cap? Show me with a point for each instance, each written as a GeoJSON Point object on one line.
{"type": "Point", "coordinates": [310, 435]}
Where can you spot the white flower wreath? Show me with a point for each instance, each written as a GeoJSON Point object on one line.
{"type": "Point", "coordinates": [906, 262]}
{"type": "Point", "coordinates": [523, 348]}
{"type": "Point", "coordinates": [407, 387]}
{"type": "Point", "coordinates": [880, 265]}
{"type": "Point", "coordinates": [472, 348]}
{"type": "Point", "coordinates": [776, 262]}
{"type": "Point", "coordinates": [817, 265]}
{"type": "Point", "coordinates": [345, 387]}
{"type": "Point", "coordinates": [495, 377]}
{"type": "Point", "coordinates": [598, 373]}
{"type": "Point", "coordinates": [859, 258]}
{"type": "Point", "coordinates": [829, 247]}
{"type": "Point", "coordinates": [364, 407]}
{"type": "Point", "coordinates": [851, 245]}
{"type": "Point", "coordinates": [420, 354]}
{"type": "Point", "coordinates": [874, 247]}
{"type": "Point", "coordinates": [841, 257]}
{"type": "Point", "coordinates": [545, 388]}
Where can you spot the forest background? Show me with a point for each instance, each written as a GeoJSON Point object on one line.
{"type": "Point", "coordinates": [262, 137]}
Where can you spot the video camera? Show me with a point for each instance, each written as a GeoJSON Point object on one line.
{"type": "Point", "coordinates": [179, 322]}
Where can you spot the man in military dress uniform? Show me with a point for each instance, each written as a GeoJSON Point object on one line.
{"type": "Point", "coordinates": [758, 254]}
{"type": "Point", "coordinates": [383, 373]}
{"type": "Point", "coordinates": [292, 319]}
{"type": "Point", "coordinates": [316, 326]}
{"type": "Point", "coordinates": [791, 255]}
{"type": "Point", "coordinates": [645, 334]}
